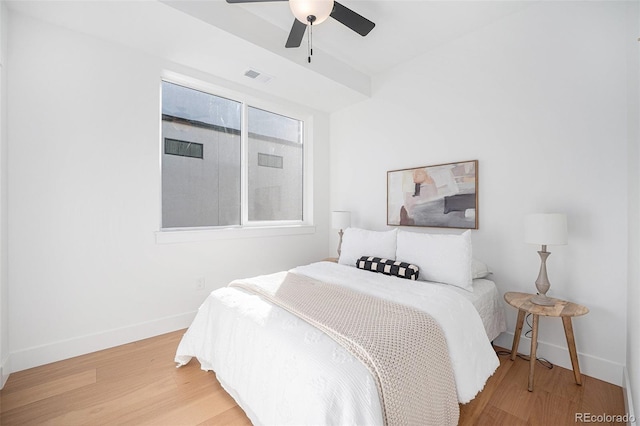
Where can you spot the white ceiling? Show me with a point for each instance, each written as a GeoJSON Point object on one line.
{"type": "Point", "coordinates": [198, 33]}
{"type": "Point", "coordinates": [404, 28]}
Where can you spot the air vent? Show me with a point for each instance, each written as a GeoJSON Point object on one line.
{"type": "Point", "coordinates": [258, 76]}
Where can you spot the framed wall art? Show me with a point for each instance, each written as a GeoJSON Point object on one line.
{"type": "Point", "coordinates": [442, 196]}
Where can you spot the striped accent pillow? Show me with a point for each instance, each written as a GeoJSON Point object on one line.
{"type": "Point", "coordinates": [388, 267]}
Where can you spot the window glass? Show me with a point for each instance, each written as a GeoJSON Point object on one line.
{"type": "Point", "coordinates": [274, 166]}
{"type": "Point", "coordinates": [203, 180]}
{"type": "Point", "coordinates": [201, 160]}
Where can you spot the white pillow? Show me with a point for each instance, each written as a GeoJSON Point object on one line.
{"type": "Point", "coordinates": [442, 258]}
{"type": "Point", "coordinates": [479, 269]}
{"type": "Point", "coordinates": [358, 242]}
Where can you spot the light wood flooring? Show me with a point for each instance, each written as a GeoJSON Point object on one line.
{"type": "Point", "coordinates": [138, 384]}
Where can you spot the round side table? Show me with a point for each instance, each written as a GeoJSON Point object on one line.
{"type": "Point", "coordinates": [561, 308]}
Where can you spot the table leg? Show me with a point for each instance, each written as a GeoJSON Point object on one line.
{"type": "Point", "coordinates": [532, 355]}
{"type": "Point", "coordinates": [571, 343]}
{"type": "Point", "coordinates": [516, 335]}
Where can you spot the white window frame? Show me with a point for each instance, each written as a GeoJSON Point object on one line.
{"type": "Point", "coordinates": [246, 229]}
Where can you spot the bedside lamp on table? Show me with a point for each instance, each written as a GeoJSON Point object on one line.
{"type": "Point", "coordinates": [340, 220]}
{"type": "Point", "coordinates": [544, 230]}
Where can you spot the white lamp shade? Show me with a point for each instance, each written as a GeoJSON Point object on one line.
{"type": "Point", "coordinates": [321, 9]}
{"type": "Point", "coordinates": [546, 229]}
{"type": "Point", "coordinates": [340, 220]}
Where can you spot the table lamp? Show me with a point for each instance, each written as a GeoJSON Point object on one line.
{"type": "Point", "coordinates": [544, 229]}
{"type": "Point", "coordinates": [340, 220]}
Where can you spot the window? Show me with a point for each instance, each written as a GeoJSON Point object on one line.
{"type": "Point", "coordinates": [183, 148]}
{"type": "Point", "coordinates": [226, 163]}
{"type": "Point", "coordinates": [275, 192]}
{"type": "Point", "coordinates": [268, 160]}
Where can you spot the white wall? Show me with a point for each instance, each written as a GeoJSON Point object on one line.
{"type": "Point", "coordinates": [539, 98]}
{"type": "Point", "coordinates": [632, 378]}
{"type": "Point", "coordinates": [4, 304]}
{"type": "Point", "coordinates": [85, 271]}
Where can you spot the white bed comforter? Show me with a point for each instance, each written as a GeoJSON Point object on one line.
{"type": "Point", "coordinates": [282, 370]}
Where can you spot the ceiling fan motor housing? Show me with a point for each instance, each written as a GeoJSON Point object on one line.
{"type": "Point", "coordinates": [311, 11]}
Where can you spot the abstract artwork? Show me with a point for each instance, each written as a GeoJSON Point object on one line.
{"type": "Point", "coordinates": [442, 196]}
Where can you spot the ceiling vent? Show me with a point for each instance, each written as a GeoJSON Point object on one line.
{"type": "Point", "coordinates": [258, 76]}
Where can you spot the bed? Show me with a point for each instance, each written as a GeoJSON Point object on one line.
{"type": "Point", "coordinates": [283, 370]}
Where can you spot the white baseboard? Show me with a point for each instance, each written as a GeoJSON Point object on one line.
{"type": "Point", "coordinates": [590, 365]}
{"type": "Point", "coordinates": [628, 399]}
{"type": "Point", "coordinates": [45, 354]}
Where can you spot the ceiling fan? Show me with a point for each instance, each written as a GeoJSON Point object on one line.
{"type": "Point", "coordinates": [313, 12]}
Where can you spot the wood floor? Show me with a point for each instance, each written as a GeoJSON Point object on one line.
{"type": "Point", "coordinates": [138, 384]}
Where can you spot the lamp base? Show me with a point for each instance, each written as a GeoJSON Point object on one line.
{"type": "Point", "coordinates": [542, 283]}
{"type": "Point", "coordinates": [541, 299]}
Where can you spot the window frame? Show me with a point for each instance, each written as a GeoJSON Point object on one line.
{"type": "Point", "coordinates": [246, 228]}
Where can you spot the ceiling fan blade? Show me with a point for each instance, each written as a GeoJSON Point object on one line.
{"type": "Point", "coordinates": [251, 1]}
{"type": "Point", "coordinates": [296, 34]}
{"type": "Point", "coordinates": [351, 19]}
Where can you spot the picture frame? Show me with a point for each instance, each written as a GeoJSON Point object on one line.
{"type": "Point", "coordinates": [439, 196]}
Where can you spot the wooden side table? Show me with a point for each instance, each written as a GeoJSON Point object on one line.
{"type": "Point", "coordinates": [563, 309]}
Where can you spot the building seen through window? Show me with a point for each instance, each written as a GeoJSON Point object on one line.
{"type": "Point", "coordinates": [203, 148]}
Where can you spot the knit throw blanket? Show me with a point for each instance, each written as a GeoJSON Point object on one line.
{"type": "Point", "coordinates": [404, 348]}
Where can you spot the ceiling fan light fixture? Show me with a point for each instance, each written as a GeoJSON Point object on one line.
{"type": "Point", "coordinates": [320, 9]}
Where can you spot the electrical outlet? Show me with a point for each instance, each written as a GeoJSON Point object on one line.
{"type": "Point", "coordinates": [199, 283]}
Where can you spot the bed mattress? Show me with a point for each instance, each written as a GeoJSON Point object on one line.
{"type": "Point", "coordinates": [487, 301]}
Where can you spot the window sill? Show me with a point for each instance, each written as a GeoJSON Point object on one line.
{"type": "Point", "coordinates": [197, 235]}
